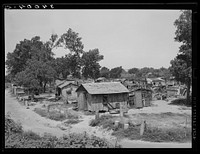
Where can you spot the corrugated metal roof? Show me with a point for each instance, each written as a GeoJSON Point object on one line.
{"type": "Point", "coordinates": [104, 88]}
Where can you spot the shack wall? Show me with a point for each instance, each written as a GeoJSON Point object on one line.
{"type": "Point", "coordinates": [95, 102]}
{"type": "Point", "coordinates": [69, 97]}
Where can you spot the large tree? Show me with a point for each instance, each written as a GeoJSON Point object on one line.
{"type": "Point", "coordinates": [133, 70]}
{"type": "Point", "coordinates": [71, 41]}
{"type": "Point", "coordinates": [28, 49]}
{"type": "Point", "coordinates": [104, 72]}
{"type": "Point", "coordinates": [116, 72]}
{"type": "Point", "coordinates": [90, 62]}
{"type": "Point", "coordinates": [181, 66]}
{"type": "Point", "coordinates": [36, 75]}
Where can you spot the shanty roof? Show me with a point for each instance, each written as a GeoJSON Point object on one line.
{"type": "Point", "coordinates": [104, 88]}
{"type": "Point", "coordinates": [59, 82]}
{"type": "Point", "coordinates": [142, 89]}
{"type": "Point", "coordinates": [66, 83]}
{"type": "Point", "coordinates": [157, 80]}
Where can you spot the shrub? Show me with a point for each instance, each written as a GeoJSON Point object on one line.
{"type": "Point", "coordinates": [181, 101]}
{"type": "Point", "coordinates": [71, 115]}
{"type": "Point", "coordinates": [72, 121]}
{"type": "Point", "coordinates": [89, 113]}
{"type": "Point", "coordinates": [161, 135]}
{"type": "Point", "coordinates": [31, 135]}
{"type": "Point", "coordinates": [41, 112]}
{"type": "Point", "coordinates": [56, 116]}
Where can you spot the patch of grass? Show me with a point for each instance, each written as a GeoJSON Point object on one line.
{"type": "Point", "coordinates": [89, 113]}
{"type": "Point", "coordinates": [167, 135]}
{"type": "Point", "coordinates": [181, 102]}
{"type": "Point", "coordinates": [105, 120]}
{"type": "Point", "coordinates": [31, 135]}
{"type": "Point", "coordinates": [154, 134]}
{"type": "Point", "coordinates": [29, 139]}
{"type": "Point", "coordinates": [41, 112]}
{"type": "Point", "coordinates": [72, 121]}
{"type": "Point", "coordinates": [53, 115]}
{"type": "Point", "coordinates": [71, 115]}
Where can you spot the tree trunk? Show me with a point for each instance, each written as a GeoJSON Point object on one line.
{"type": "Point", "coordinates": [188, 92]}
{"type": "Point", "coordinates": [44, 87]}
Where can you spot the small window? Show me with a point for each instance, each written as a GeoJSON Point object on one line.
{"type": "Point", "coordinates": [69, 92]}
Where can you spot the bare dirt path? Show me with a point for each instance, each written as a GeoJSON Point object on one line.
{"type": "Point", "coordinates": [34, 122]}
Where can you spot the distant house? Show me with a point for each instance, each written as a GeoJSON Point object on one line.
{"type": "Point", "coordinates": [172, 91]}
{"type": "Point", "coordinates": [158, 81]}
{"type": "Point", "coordinates": [67, 91]}
{"type": "Point", "coordinates": [100, 79]}
{"type": "Point", "coordinates": [102, 96]}
{"type": "Point", "coordinates": [171, 82]}
{"type": "Point", "coordinates": [60, 82]}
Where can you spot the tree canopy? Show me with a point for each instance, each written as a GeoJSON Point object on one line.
{"type": "Point", "coordinates": [91, 66]}
{"type": "Point", "coordinates": [181, 66]}
{"type": "Point", "coordinates": [104, 72]}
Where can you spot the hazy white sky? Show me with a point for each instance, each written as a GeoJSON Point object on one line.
{"type": "Point", "coordinates": [127, 38]}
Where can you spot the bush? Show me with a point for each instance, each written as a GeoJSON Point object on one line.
{"type": "Point", "coordinates": [56, 116]}
{"type": "Point", "coordinates": [71, 115]}
{"type": "Point", "coordinates": [72, 121]}
{"type": "Point", "coordinates": [181, 101]}
{"type": "Point", "coordinates": [154, 134]}
{"type": "Point", "coordinates": [105, 120]}
{"type": "Point", "coordinates": [41, 112]}
{"type": "Point", "coordinates": [168, 135]}
{"type": "Point", "coordinates": [31, 135]}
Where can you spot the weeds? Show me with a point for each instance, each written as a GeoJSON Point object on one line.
{"type": "Point", "coordinates": [21, 139]}
{"type": "Point", "coordinates": [71, 115]}
{"type": "Point", "coordinates": [89, 113]}
{"type": "Point", "coordinates": [181, 101]}
{"type": "Point", "coordinates": [53, 115]}
{"type": "Point", "coordinates": [153, 134]}
{"type": "Point", "coordinates": [72, 121]}
{"type": "Point", "coordinates": [105, 120]}
{"type": "Point", "coordinates": [31, 135]}
{"type": "Point", "coordinates": [41, 112]}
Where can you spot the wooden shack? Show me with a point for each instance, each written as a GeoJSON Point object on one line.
{"type": "Point", "coordinates": [172, 91]}
{"type": "Point", "coordinates": [142, 97]}
{"type": "Point", "coordinates": [102, 96]}
{"type": "Point", "coordinates": [68, 91]}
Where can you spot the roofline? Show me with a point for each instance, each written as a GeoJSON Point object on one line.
{"type": "Point", "coordinates": [100, 93]}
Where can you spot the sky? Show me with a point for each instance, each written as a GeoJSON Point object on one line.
{"type": "Point", "coordinates": [127, 38]}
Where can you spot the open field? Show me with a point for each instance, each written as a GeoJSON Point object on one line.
{"type": "Point", "coordinates": [160, 115]}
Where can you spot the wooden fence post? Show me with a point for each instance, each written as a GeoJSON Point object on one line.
{"type": "Point", "coordinates": [142, 127]}
{"type": "Point", "coordinates": [96, 114]}
{"type": "Point", "coordinates": [126, 126]}
{"type": "Point", "coordinates": [116, 123]}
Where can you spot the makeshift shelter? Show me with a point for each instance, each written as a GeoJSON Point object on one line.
{"type": "Point", "coordinates": [172, 91]}
{"type": "Point", "coordinates": [68, 91]}
{"type": "Point", "coordinates": [158, 81]}
{"type": "Point", "coordinates": [142, 97]}
{"type": "Point", "coordinates": [101, 79]}
{"type": "Point", "coordinates": [102, 96]}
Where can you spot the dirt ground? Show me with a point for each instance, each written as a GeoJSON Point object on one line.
{"type": "Point", "coordinates": [34, 122]}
